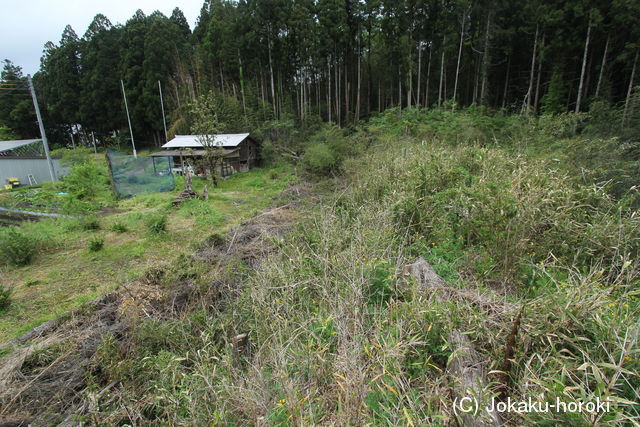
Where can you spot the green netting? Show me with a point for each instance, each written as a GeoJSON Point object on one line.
{"type": "Point", "coordinates": [35, 149]}
{"type": "Point", "coordinates": [133, 175]}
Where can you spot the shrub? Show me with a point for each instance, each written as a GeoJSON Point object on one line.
{"type": "Point", "coordinates": [320, 159]}
{"type": "Point", "coordinates": [90, 224]}
{"type": "Point", "coordinates": [73, 157]}
{"type": "Point", "coordinates": [85, 180]}
{"type": "Point", "coordinates": [157, 224]}
{"type": "Point", "coordinates": [119, 227]}
{"type": "Point", "coordinates": [16, 247]}
{"type": "Point", "coordinates": [96, 243]}
{"type": "Point", "coordinates": [5, 297]}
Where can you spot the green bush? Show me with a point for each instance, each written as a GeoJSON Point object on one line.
{"type": "Point", "coordinates": [5, 297]}
{"type": "Point", "coordinates": [85, 181]}
{"type": "Point", "coordinates": [157, 224]}
{"type": "Point", "coordinates": [90, 224]}
{"type": "Point", "coordinates": [96, 243]}
{"type": "Point", "coordinates": [119, 227]}
{"type": "Point", "coordinates": [16, 247]}
{"type": "Point", "coordinates": [320, 159]}
{"type": "Point", "coordinates": [73, 157]}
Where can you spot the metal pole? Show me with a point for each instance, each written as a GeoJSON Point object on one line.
{"type": "Point", "coordinates": [45, 143]}
{"type": "Point", "coordinates": [93, 137]}
{"type": "Point", "coordinates": [126, 106]}
{"type": "Point", "coordinates": [73, 142]}
{"type": "Point", "coordinates": [164, 121]}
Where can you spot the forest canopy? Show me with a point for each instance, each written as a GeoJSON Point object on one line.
{"type": "Point", "coordinates": [336, 61]}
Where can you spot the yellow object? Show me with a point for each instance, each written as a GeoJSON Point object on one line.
{"type": "Point", "coordinates": [13, 180]}
{"type": "Point", "coordinates": [8, 186]}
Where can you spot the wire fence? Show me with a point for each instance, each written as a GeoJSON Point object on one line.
{"type": "Point", "coordinates": [136, 175]}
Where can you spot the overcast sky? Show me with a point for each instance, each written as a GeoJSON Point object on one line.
{"type": "Point", "coordinates": [26, 25]}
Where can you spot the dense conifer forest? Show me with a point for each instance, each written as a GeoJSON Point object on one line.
{"type": "Point", "coordinates": [335, 61]}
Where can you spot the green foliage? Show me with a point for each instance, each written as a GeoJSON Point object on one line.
{"type": "Point", "coordinates": [320, 159]}
{"type": "Point", "coordinates": [202, 211]}
{"type": "Point", "coordinates": [326, 150]}
{"type": "Point", "coordinates": [119, 227]}
{"type": "Point", "coordinates": [381, 282]}
{"type": "Point", "coordinates": [16, 247]}
{"type": "Point", "coordinates": [85, 181]}
{"type": "Point", "coordinates": [90, 223]}
{"type": "Point", "coordinates": [505, 214]}
{"type": "Point", "coordinates": [553, 102]}
{"type": "Point", "coordinates": [6, 133]}
{"type": "Point", "coordinates": [75, 157]}
{"type": "Point", "coordinates": [17, 117]}
{"type": "Point", "coordinates": [96, 243]}
{"type": "Point", "coordinates": [157, 224]}
{"type": "Point", "coordinates": [5, 297]}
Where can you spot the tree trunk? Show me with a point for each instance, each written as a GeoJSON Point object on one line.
{"type": "Point", "coordinates": [506, 82]}
{"type": "Point", "coordinates": [486, 58]}
{"type": "Point", "coordinates": [629, 91]}
{"type": "Point", "coordinates": [337, 85]}
{"type": "Point", "coordinates": [531, 74]}
{"type": "Point", "coordinates": [426, 92]}
{"type": "Point", "coordinates": [244, 105]}
{"type": "Point", "coordinates": [604, 63]}
{"type": "Point", "coordinates": [410, 85]}
{"type": "Point", "coordinates": [329, 106]}
{"type": "Point", "coordinates": [537, 96]}
{"type": "Point", "coordinates": [273, 86]}
{"type": "Point", "coordinates": [455, 84]}
{"type": "Point", "coordinates": [419, 71]}
{"type": "Point", "coordinates": [444, 40]}
{"type": "Point", "coordinates": [399, 89]}
{"type": "Point", "coordinates": [584, 67]}
{"type": "Point", "coordinates": [346, 92]}
{"type": "Point", "coordinates": [357, 115]}
{"type": "Point", "coordinates": [465, 367]}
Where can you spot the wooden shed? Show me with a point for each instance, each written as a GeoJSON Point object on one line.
{"type": "Point", "coordinates": [240, 151]}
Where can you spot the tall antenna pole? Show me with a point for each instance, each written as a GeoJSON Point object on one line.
{"type": "Point", "coordinates": [124, 95]}
{"type": "Point", "coordinates": [43, 135]}
{"type": "Point", "coordinates": [164, 121]}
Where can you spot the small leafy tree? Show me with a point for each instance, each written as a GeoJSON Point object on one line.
{"type": "Point", "coordinates": [16, 247]}
{"type": "Point", "coordinates": [553, 102]}
{"type": "Point", "coordinates": [205, 124]}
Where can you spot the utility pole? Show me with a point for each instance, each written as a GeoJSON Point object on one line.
{"type": "Point", "coordinates": [164, 121]}
{"type": "Point", "coordinates": [45, 143]}
{"type": "Point", "coordinates": [73, 142]}
{"type": "Point", "coordinates": [124, 95]}
{"type": "Point", "coordinates": [93, 137]}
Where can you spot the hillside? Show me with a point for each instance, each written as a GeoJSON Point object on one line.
{"type": "Point", "coordinates": [309, 312]}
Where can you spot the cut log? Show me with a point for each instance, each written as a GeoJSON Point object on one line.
{"type": "Point", "coordinates": [184, 196]}
{"type": "Point", "coordinates": [465, 368]}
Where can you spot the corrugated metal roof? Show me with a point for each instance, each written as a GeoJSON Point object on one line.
{"type": "Point", "coordinates": [193, 153]}
{"type": "Point", "coordinates": [10, 145]}
{"type": "Point", "coordinates": [223, 140]}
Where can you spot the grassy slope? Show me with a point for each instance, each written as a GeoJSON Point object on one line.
{"type": "Point", "coordinates": [66, 274]}
{"type": "Point", "coordinates": [340, 336]}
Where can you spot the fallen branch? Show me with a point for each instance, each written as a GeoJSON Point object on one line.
{"type": "Point", "coordinates": [465, 365]}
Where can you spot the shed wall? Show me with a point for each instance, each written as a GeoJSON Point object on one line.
{"type": "Point", "coordinates": [12, 167]}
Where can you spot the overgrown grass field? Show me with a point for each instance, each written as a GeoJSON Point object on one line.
{"type": "Point", "coordinates": [533, 227]}
{"type": "Point", "coordinates": [74, 260]}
